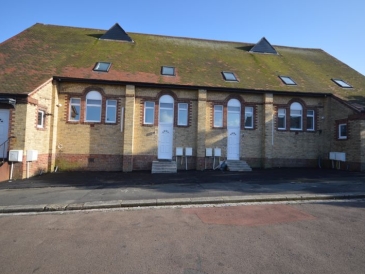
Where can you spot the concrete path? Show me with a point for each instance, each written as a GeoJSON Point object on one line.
{"type": "Point", "coordinates": [91, 190]}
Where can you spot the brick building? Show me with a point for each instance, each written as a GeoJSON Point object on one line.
{"type": "Point", "coordinates": [87, 99]}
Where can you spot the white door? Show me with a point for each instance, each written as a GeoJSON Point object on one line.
{"type": "Point", "coordinates": [233, 129]}
{"type": "Point", "coordinates": [4, 132]}
{"type": "Point", "coordinates": [165, 127]}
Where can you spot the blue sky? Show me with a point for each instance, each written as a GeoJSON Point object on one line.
{"type": "Point", "coordinates": [337, 27]}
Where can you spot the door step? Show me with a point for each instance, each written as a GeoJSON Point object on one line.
{"type": "Point", "coordinates": [238, 165]}
{"type": "Point", "coordinates": [164, 167]}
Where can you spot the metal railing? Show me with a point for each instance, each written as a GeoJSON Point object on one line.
{"type": "Point", "coordinates": [2, 149]}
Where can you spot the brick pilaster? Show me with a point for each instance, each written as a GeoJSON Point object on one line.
{"type": "Point", "coordinates": [201, 129]}
{"type": "Point", "coordinates": [269, 130]}
{"type": "Point", "coordinates": [129, 111]}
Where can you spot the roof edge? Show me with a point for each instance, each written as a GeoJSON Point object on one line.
{"type": "Point", "coordinates": [189, 87]}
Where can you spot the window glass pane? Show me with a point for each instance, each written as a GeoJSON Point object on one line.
{"type": "Point", "coordinates": [281, 122]}
{"type": "Point", "coordinates": [229, 76]}
{"type": "Point", "coordinates": [218, 108]}
{"type": "Point", "coordinates": [287, 80]}
{"type": "Point", "coordinates": [281, 118]}
{"type": "Point", "coordinates": [218, 116]}
{"type": "Point", "coordinates": [40, 119]}
{"type": "Point", "coordinates": [182, 116]}
{"type": "Point", "coordinates": [111, 103]}
{"type": "Point", "coordinates": [93, 107]}
{"type": "Point", "coordinates": [248, 111]}
{"type": "Point", "coordinates": [233, 119]}
{"type": "Point", "coordinates": [310, 123]}
{"type": "Point", "coordinates": [342, 83]}
{"type": "Point", "coordinates": [281, 112]}
{"type": "Point", "coordinates": [93, 102]}
{"type": "Point", "coordinates": [75, 109]}
{"type": "Point", "coordinates": [343, 131]}
{"type": "Point", "coordinates": [248, 122]}
{"type": "Point", "coordinates": [111, 115]}
{"type": "Point", "coordinates": [75, 100]}
{"type": "Point", "coordinates": [168, 71]}
{"type": "Point", "coordinates": [310, 119]}
{"type": "Point", "coordinates": [149, 114]}
{"type": "Point", "coordinates": [149, 104]}
{"type": "Point", "coordinates": [166, 116]}
{"type": "Point", "coordinates": [166, 105]}
{"type": "Point", "coordinates": [294, 112]}
{"type": "Point", "coordinates": [218, 119]}
{"type": "Point", "coordinates": [295, 122]}
{"type": "Point", "coordinates": [296, 116]}
{"type": "Point", "coordinates": [102, 66]}
{"type": "Point", "coordinates": [93, 113]}
{"type": "Point", "coordinates": [111, 111]}
{"type": "Point", "coordinates": [234, 109]}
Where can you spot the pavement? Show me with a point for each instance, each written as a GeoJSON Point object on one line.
{"type": "Point", "coordinates": [64, 191]}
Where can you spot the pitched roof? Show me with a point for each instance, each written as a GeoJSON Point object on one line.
{"type": "Point", "coordinates": [43, 51]}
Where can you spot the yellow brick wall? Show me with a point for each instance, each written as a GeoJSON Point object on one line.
{"type": "Point", "coordinates": [88, 138]}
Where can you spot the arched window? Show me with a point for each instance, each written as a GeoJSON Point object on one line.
{"type": "Point", "coordinates": [93, 107]}
{"type": "Point", "coordinates": [296, 116]}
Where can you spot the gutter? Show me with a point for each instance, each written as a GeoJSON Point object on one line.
{"type": "Point", "coordinates": [9, 101]}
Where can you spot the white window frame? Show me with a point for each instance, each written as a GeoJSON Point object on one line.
{"type": "Point", "coordinates": [282, 115]}
{"type": "Point", "coordinates": [42, 113]}
{"type": "Point", "coordinates": [108, 108]}
{"type": "Point", "coordinates": [311, 116]}
{"type": "Point", "coordinates": [182, 111]}
{"type": "Point", "coordinates": [340, 136]}
{"type": "Point", "coordinates": [72, 105]}
{"type": "Point", "coordinates": [249, 114]}
{"type": "Point", "coordinates": [93, 95]}
{"type": "Point", "coordinates": [216, 111]}
{"type": "Point", "coordinates": [296, 107]}
{"type": "Point", "coordinates": [145, 111]}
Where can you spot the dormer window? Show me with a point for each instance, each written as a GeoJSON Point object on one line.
{"type": "Point", "coordinates": [102, 66]}
{"type": "Point", "coordinates": [169, 71]}
{"type": "Point", "coordinates": [229, 76]}
{"type": "Point", "coordinates": [341, 83]}
{"type": "Point", "coordinates": [287, 80]}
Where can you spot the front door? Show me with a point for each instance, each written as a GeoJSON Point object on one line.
{"type": "Point", "coordinates": [165, 127]}
{"type": "Point", "coordinates": [233, 129]}
{"type": "Point", "coordinates": [4, 132]}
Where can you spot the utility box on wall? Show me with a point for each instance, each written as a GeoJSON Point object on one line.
{"type": "Point", "coordinates": [15, 155]}
{"type": "Point", "coordinates": [32, 155]}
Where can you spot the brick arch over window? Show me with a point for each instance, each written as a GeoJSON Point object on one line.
{"type": "Point", "coordinates": [237, 97]}
{"type": "Point", "coordinates": [93, 88]}
{"type": "Point", "coordinates": [166, 92]}
{"type": "Point", "coordinates": [298, 100]}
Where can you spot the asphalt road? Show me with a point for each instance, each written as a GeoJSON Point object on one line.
{"type": "Point", "coordinates": [275, 238]}
{"type": "Point", "coordinates": [80, 187]}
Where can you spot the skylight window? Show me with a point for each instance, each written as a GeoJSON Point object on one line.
{"type": "Point", "coordinates": [287, 80]}
{"type": "Point", "coordinates": [170, 71]}
{"type": "Point", "coordinates": [341, 83]}
{"type": "Point", "coordinates": [229, 76]}
{"type": "Point", "coordinates": [102, 66]}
